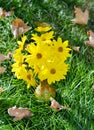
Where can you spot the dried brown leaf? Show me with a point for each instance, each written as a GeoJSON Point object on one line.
{"type": "Point", "coordinates": [4, 13]}
{"type": "Point", "coordinates": [1, 12]}
{"type": "Point", "coordinates": [9, 13]}
{"type": "Point", "coordinates": [2, 69]}
{"type": "Point", "coordinates": [92, 86]}
{"type": "Point", "coordinates": [56, 105]}
{"type": "Point", "coordinates": [75, 48]}
{"type": "Point", "coordinates": [19, 113]}
{"type": "Point", "coordinates": [90, 42]}
{"type": "Point", "coordinates": [3, 57]}
{"type": "Point", "coordinates": [18, 27]}
{"type": "Point", "coordinates": [1, 90]}
{"type": "Point", "coordinates": [81, 17]}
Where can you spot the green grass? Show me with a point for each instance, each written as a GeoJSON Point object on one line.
{"type": "Point", "coordinates": [75, 91]}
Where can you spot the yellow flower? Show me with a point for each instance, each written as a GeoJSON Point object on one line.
{"type": "Point", "coordinates": [54, 72]}
{"type": "Point", "coordinates": [18, 65]}
{"type": "Point", "coordinates": [61, 49]}
{"type": "Point", "coordinates": [19, 57]}
{"type": "Point", "coordinates": [21, 44]}
{"type": "Point", "coordinates": [43, 29]}
{"type": "Point", "coordinates": [18, 69]}
{"type": "Point", "coordinates": [46, 37]}
{"type": "Point", "coordinates": [37, 57]}
{"type": "Point", "coordinates": [27, 75]}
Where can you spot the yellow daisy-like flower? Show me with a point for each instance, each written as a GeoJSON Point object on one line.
{"type": "Point", "coordinates": [21, 44]}
{"type": "Point", "coordinates": [61, 49]}
{"type": "Point", "coordinates": [18, 71]}
{"type": "Point", "coordinates": [43, 29]}
{"type": "Point", "coordinates": [18, 66]}
{"type": "Point", "coordinates": [19, 57]}
{"type": "Point", "coordinates": [27, 75]}
{"type": "Point", "coordinates": [46, 37]}
{"type": "Point", "coordinates": [54, 72]}
{"type": "Point", "coordinates": [37, 56]}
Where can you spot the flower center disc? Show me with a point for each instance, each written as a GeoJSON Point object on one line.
{"type": "Point", "coordinates": [60, 49]}
{"type": "Point", "coordinates": [29, 77]}
{"type": "Point", "coordinates": [53, 71]}
{"type": "Point", "coordinates": [39, 55]}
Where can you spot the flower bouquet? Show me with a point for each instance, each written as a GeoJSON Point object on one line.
{"type": "Point", "coordinates": [42, 61]}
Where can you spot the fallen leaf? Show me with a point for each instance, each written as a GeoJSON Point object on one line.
{"type": "Point", "coordinates": [1, 12]}
{"type": "Point", "coordinates": [18, 27]}
{"type": "Point", "coordinates": [2, 69]}
{"type": "Point", "coordinates": [75, 48]}
{"type": "Point", "coordinates": [56, 105]}
{"type": "Point", "coordinates": [1, 89]}
{"type": "Point", "coordinates": [92, 86]}
{"type": "Point", "coordinates": [81, 17]}
{"type": "Point", "coordinates": [4, 13]}
{"type": "Point", "coordinates": [19, 113]}
{"type": "Point", "coordinates": [9, 13]}
{"type": "Point", "coordinates": [3, 57]}
{"type": "Point", "coordinates": [90, 42]}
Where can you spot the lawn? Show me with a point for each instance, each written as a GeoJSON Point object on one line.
{"type": "Point", "coordinates": [75, 91]}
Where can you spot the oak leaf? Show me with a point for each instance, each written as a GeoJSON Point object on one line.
{"type": "Point", "coordinates": [2, 58]}
{"type": "Point", "coordinates": [75, 48]}
{"type": "Point", "coordinates": [90, 42]}
{"type": "Point", "coordinates": [1, 90]}
{"type": "Point", "coordinates": [18, 27]}
{"type": "Point", "coordinates": [92, 86]}
{"type": "Point", "coordinates": [81, 17]}
{"type": "Point", "coordinates": [2, 69]}
{"type": "Point", "coordinates": [19, 113]}
{"type": "Point", "coordinates": [56, 105]}
{"type": "Point", "coordinates": [4, 13]}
